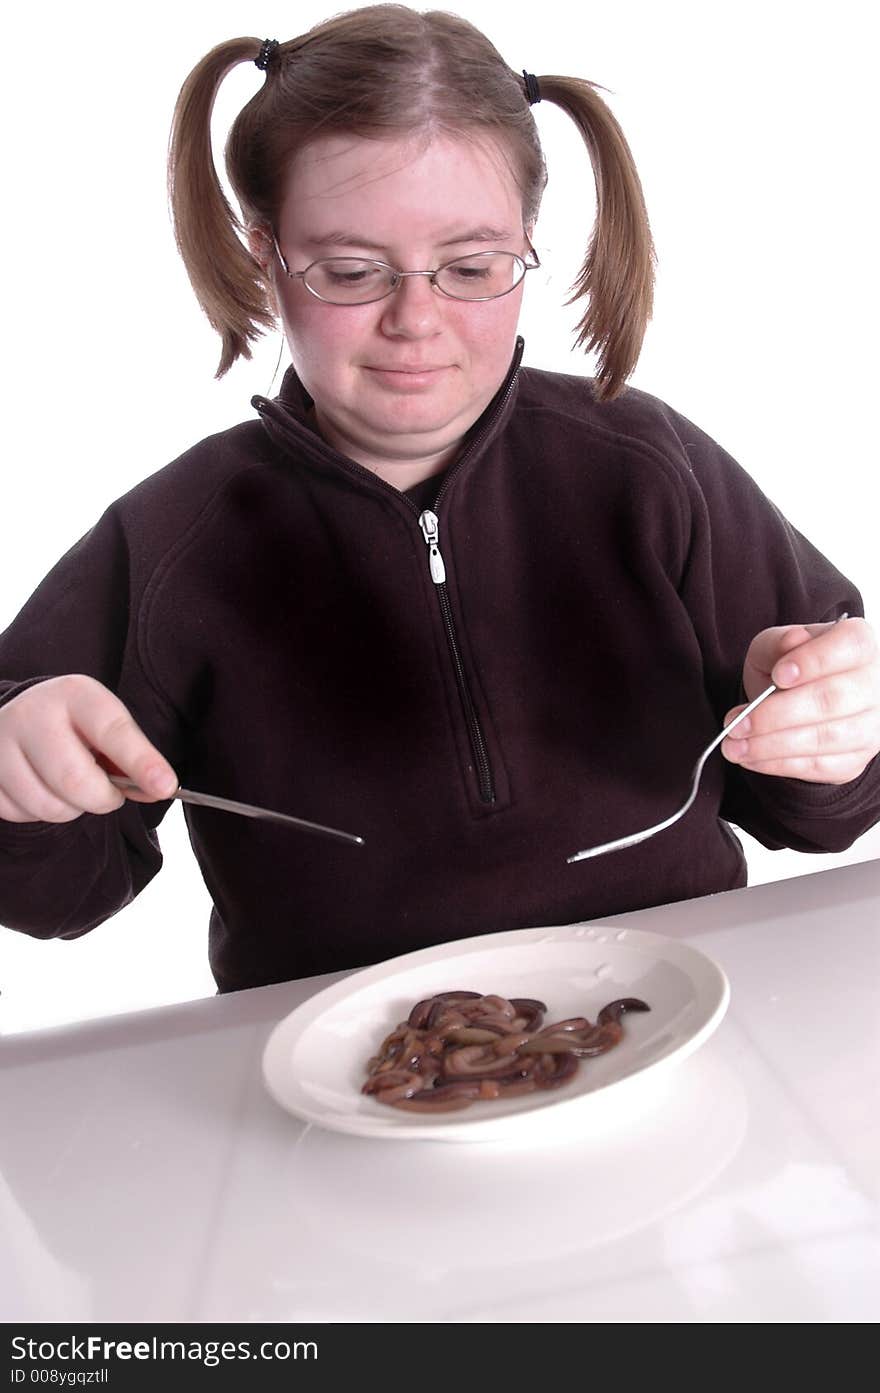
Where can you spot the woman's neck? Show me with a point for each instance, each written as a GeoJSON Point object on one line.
{"type": "Point", "coordinates": [402, 474]}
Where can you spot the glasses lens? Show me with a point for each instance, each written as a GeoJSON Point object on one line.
{"type": "Point", "coordinates": [481, 277]}
{"type": "Point", "coordinates": [345, 280]}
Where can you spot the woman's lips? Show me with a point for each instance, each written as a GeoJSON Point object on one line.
{"type": "Point", "coordinates": [407, 379]}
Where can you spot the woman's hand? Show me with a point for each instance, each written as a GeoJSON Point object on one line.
{"type": "Point", "coordinates": [59, 738]}
{"type": "Point", "coordinates": [823, 725]}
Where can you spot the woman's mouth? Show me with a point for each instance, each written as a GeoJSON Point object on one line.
{"type": "Point", "coordinates": [407, 379]}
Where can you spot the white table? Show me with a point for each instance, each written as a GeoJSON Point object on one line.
{"type": "Point", "coordinates": [145, 1174]}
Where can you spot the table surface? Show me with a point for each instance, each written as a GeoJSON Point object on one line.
{"type": "Point", "coordinates": [146, 1175]}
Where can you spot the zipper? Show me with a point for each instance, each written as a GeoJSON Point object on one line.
{"type": "Point", "coordinates": [430, 525]}
{"type": "Point", "coordinates": [429, 522]}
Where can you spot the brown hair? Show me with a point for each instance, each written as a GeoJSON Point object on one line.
{"type": "Point", "coordinates": [387, 70]}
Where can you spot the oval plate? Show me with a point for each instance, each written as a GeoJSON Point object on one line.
{"type": "Point", "coordinates": [314, 1063]}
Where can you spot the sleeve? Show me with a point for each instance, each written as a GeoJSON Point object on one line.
{"type": "Point", "coordinates": [59, 880]}
{"type": "Point", "coordinates": [748, 569]}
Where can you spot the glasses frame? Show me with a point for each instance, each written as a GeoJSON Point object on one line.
{"type": "Point", "coordinates": [400, 276]}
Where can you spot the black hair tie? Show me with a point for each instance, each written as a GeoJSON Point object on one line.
{"type": "Point", "coordinates": [533, 91]}
{"type": "Point", "coordinates": [267, 50]}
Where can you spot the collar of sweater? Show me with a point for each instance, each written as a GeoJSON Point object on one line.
{"type": "Point", "coordinates": [288, 423]}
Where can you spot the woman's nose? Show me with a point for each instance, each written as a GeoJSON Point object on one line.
{"type": "Point", "coordinates": [413, 310]}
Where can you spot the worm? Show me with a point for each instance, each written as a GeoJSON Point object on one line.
{"type": "Point", "coordinates": [457, 1048]}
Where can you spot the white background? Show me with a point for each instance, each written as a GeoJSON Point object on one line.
{"type": "Point", "coordinates": [754, 130]}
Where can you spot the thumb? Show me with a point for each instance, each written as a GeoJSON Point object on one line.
{"type": "Point", "coordinates": [768, 647]}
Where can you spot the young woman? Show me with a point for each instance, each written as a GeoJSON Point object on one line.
{"type": "Point", "coordinates": [480, 614]}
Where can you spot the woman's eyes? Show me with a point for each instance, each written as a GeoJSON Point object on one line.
{"type": "Point", "coordinates": [365, 273]}
{"type": "Point", "coordinates": [356, 277]}
{"type": "Point", "coordinates": [471, 273]}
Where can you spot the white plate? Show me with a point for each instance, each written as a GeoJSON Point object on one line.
{"type": "Point", "coordinates": [315, 1060]}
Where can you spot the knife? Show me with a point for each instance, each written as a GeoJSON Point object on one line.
{"type": "Point", "coordinates": [228, 805]}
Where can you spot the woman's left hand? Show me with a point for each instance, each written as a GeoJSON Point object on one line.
{"type": "Point", "coordinates": [823, 725]}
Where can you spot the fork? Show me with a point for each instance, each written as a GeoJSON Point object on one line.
{"type": "Point", "coordinates": [635, 837]}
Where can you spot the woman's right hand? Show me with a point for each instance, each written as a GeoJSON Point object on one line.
{"type": "Point", "coordinates": [58, 741]}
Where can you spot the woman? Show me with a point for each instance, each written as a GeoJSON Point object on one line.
{"type": "Point", "coordinates": [479, 614]}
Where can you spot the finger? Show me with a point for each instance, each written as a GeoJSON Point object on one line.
{"type": "Point", "coordinates": [732, 715]}
{"type": "Point", "coordinates": [772, 648]}
{"type": "Point", "coordinates": [832, 698]}
{"type": "Point", "coordinates": [852, 734]}
{"type": "Point", "coordinates": [65, 779]}
{"type": "Point", "coordinates": [29, 796]}
{"type": "Point", "coordinates": [829, 649]}
{"type": "Point", "coordinates": [10, 811]}
{"type": "Point", "coordinates": [823, 769]}
{"type": "Point", "coordinates": [111, 731]}
{"type": "Point", "coordinates": [768, 647]}
{"type": "Point", "coordinates": [131, 790]}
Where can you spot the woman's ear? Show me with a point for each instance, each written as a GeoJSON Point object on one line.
{"type": "Point", "coordinates": [259, 242]}
{"type": "Point", "coordinates": [262, 249]}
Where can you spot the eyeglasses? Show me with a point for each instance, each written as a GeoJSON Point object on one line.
{"type": "Point", "coordinates": [355, 280]}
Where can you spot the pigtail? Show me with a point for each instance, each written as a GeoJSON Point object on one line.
{"type": "Point", "coordinates": [617, 275]}
{"type": "Point", "coordinates": [228, 282]}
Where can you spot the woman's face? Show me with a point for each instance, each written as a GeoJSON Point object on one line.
{"type": "Point", "coordinates": [397, 383]}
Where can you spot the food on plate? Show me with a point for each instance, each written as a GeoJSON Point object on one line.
{"type": "Point", "coordinates": [459, 1047]}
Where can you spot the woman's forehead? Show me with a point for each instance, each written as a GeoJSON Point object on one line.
{"type": "Point", "coordinates": [443, 182]}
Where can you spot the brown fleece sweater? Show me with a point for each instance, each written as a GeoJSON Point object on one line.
{"type": "Point", "coordinates": [275, 619]}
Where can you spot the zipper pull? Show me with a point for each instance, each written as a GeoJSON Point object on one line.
{"type": "Point", "coordinates": [430, 525]}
